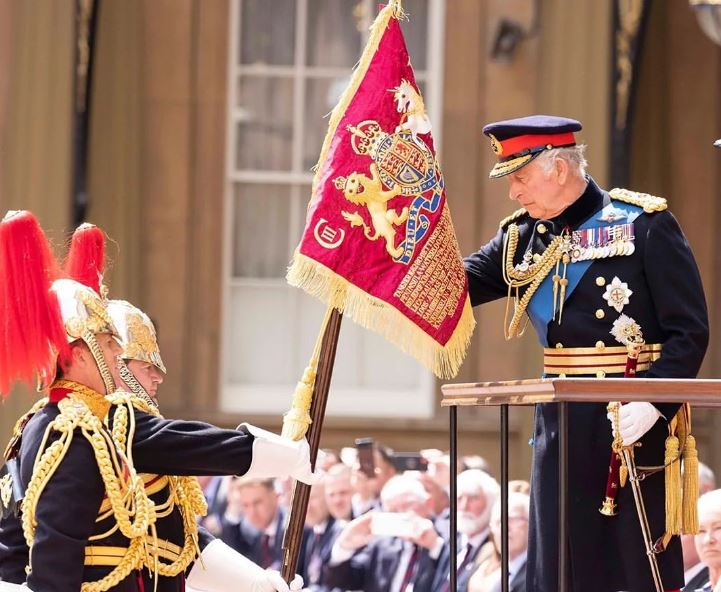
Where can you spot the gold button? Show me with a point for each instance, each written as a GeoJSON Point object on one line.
{"type": "Point", "coordinates": [559, 345]}
{"type": "Point", "coordinates": [562, 375]}
{"type": "Point", "coordinates": [541, 228]}
{"type": "Point", "coordinates": [600, 345]}
{"type": "Point", "coordinates": [600, 374]}
{"type": "Point", "coordinates": [600, 314]}
{"type": "Point", "coordinates": [600, 281]}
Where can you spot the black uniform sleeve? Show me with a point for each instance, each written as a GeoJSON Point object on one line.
{"type": "Point", "coordinates": [66, 514]}
{"type": "Point", "coordinates": [351, 574]}
{"type": "Point", "coordinates": [176, 447]}
{"type": "Point", "coordinates": [678, 297]}
{"type": "Point", "coordinates": [485, 272]}
{"type": "Point", "coordinates": [13, 550]}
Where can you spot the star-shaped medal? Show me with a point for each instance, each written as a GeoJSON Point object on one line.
{"type": "Point", "coordinates": [617, 294]}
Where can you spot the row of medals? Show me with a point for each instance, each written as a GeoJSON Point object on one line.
{"type": "Point", "coordinates": [591, 243]}
{"type": "Point", "coordinates": [599, 243]}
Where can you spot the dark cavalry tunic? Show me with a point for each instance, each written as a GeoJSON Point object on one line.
{"type": "Point", "coordinates": [606, 553]}
{"type": "Point", "coordinates": [67, 510]}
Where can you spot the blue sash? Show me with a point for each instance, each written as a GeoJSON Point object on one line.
{"type": "Point", "coordinates": [540, 308]}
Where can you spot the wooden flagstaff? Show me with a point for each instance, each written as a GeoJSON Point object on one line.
{"type": "Point", "coordinates": [301, 492]}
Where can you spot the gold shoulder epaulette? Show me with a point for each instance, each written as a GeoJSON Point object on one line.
{"type": "Point", "coordinates": [649, 203]}
{"type": "Point", "coordinates": [513, 217]}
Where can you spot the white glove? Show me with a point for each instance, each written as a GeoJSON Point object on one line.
{"type": "Point", "coordinates": [8, 587]}
{"type": "Point", "coordinates": [226, 570]}
{"type": "Point", "coordinates": [634, 420]}
{"type": "Point", "coordinates": [275, 456]}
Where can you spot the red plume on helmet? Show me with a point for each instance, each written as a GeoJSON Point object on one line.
{"type": "Point", "coordinates": [32, 333]}
{"type": "Point", "coordinates": [85, 262]}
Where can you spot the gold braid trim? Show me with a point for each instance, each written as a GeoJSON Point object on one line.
{"type": "Point", "coordinates": [649, 203]}
{"type": "Point", "coordinates": [550, 258]}
{"type": "Point", "coordinates": [183, 492]}
{"type": "Point", "coordinates": [133, 510]}
{"type": "Point", "coordinates": [512, 218]}
{"type": "Point", "coordinates": [132, 560]}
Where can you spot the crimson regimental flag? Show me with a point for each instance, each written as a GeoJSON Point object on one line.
{"type": "Point", "coordinates": [379, 243]}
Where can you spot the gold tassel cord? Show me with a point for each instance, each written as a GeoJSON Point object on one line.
{"type": "Point", "coordinates": [689, 512]}
{"type": "Point", "coordinates": [672, 473]}
{"type": "Point", "coordinates": [297, 420]}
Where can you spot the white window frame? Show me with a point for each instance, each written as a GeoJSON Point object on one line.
{"type": "Point", "coordinates": [344, 402]}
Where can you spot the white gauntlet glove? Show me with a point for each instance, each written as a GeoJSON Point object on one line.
{"type": "Point", "coordinates": [634, 420]}
{"type": "Point", "coordinates": [275, 456]}
{"type": "Point", "coordinates": [226, 570]}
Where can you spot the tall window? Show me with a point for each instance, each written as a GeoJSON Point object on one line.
{"type": "Point", "coordinates": [290, 61]}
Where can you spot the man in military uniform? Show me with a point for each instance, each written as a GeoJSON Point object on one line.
{"type": "Point", "coordinates": [583, 264]}
{"type": "Point", "coordinates": [78, 479]}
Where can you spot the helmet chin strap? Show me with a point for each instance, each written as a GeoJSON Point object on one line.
{"type": "Point", "coordinates": [133, 384]}
{"type": "Point", "coordinates": [97, 353]}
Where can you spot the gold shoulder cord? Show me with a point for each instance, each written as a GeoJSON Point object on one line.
{"type": "Point", "coordinates": [534, 275]}
{"type": "Point", "coordinates": [649, 203]}
{"type": "Point", "coordinates": [184, 492]}
{"type": "Point", "coordinates": [132, 509]}
{"type": "Point", "coordinates": [512, 218]}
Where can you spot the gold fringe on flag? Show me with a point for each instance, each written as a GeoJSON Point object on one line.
{"type": "Point", "coordinates": [377, 315]}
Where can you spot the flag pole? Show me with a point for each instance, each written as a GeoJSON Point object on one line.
{"type": "Point", "coordinates": [295, 519]}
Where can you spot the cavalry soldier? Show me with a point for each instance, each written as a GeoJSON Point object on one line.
{"type": "Point", "coordinates": [76, 482]}
{"type": "Point", "coordinates": [585, 265]}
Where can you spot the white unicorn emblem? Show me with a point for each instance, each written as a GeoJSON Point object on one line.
{"type": "Point", "coordinates": [410, 103]}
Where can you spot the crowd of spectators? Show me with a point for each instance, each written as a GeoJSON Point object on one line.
{"type": "Point", "coordinates": [383, 525]}
{"type": "Point", "coordinates": [380, 525]}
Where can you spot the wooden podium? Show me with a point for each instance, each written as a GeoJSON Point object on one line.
{"type": "Point", "coordinates": [560, 391]}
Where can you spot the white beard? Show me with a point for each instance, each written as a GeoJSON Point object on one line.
{"type": "Point", "coordinates": [469, 524]}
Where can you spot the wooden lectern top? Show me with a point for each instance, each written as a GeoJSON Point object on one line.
{"type": "Point", "coordinates": [699, 393]}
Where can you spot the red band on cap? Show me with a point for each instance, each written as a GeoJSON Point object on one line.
{"type": "Point", "coordinates": [520, 143]}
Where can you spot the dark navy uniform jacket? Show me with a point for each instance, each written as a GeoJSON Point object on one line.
{"type": "Point", "coordinates": [606, 553]}
{"type": "Point", "coordinates": [68, 508]}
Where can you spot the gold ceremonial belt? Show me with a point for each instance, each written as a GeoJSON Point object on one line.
{"type": "Point", "coordinates": [112, 556]}
{"type": "Point", "coordinates": [599, 361]}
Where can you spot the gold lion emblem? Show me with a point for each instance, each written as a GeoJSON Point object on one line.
{"type": "Point", "coordinates": [361, 190]}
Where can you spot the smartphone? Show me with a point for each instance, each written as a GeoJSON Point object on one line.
{"type": "Point", "coordinates": [367, 464]}
{"type": "Point", "coordinates": [391, 524]}
{"type": "Point", "coordinates": [409, 461]}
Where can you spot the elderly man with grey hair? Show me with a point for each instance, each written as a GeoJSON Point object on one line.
{"type": "Point", "coordinates": [595, 272]}
{"type": "Point", "coordinates": [393, 550]}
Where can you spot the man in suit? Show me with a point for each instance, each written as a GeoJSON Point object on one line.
{"type": "Point", "coordinates": [259, 535]}
{"type": "Point", "coordinates": [325, 529]}
{"type": "Point", "coordinates": [594, 272]}
{"type": "Point", "coordinates": [392, 551]}
{"type": "Point", "coordinates": [476, 492]}
{"type": "Point", "coordinates": [339, 492]}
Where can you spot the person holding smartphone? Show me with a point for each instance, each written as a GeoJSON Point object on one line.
{"type": "Point", "coordinates": [389, 550]}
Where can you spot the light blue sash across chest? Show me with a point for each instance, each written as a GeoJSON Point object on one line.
{"type": "Point", "coordinates": [540, 308]}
